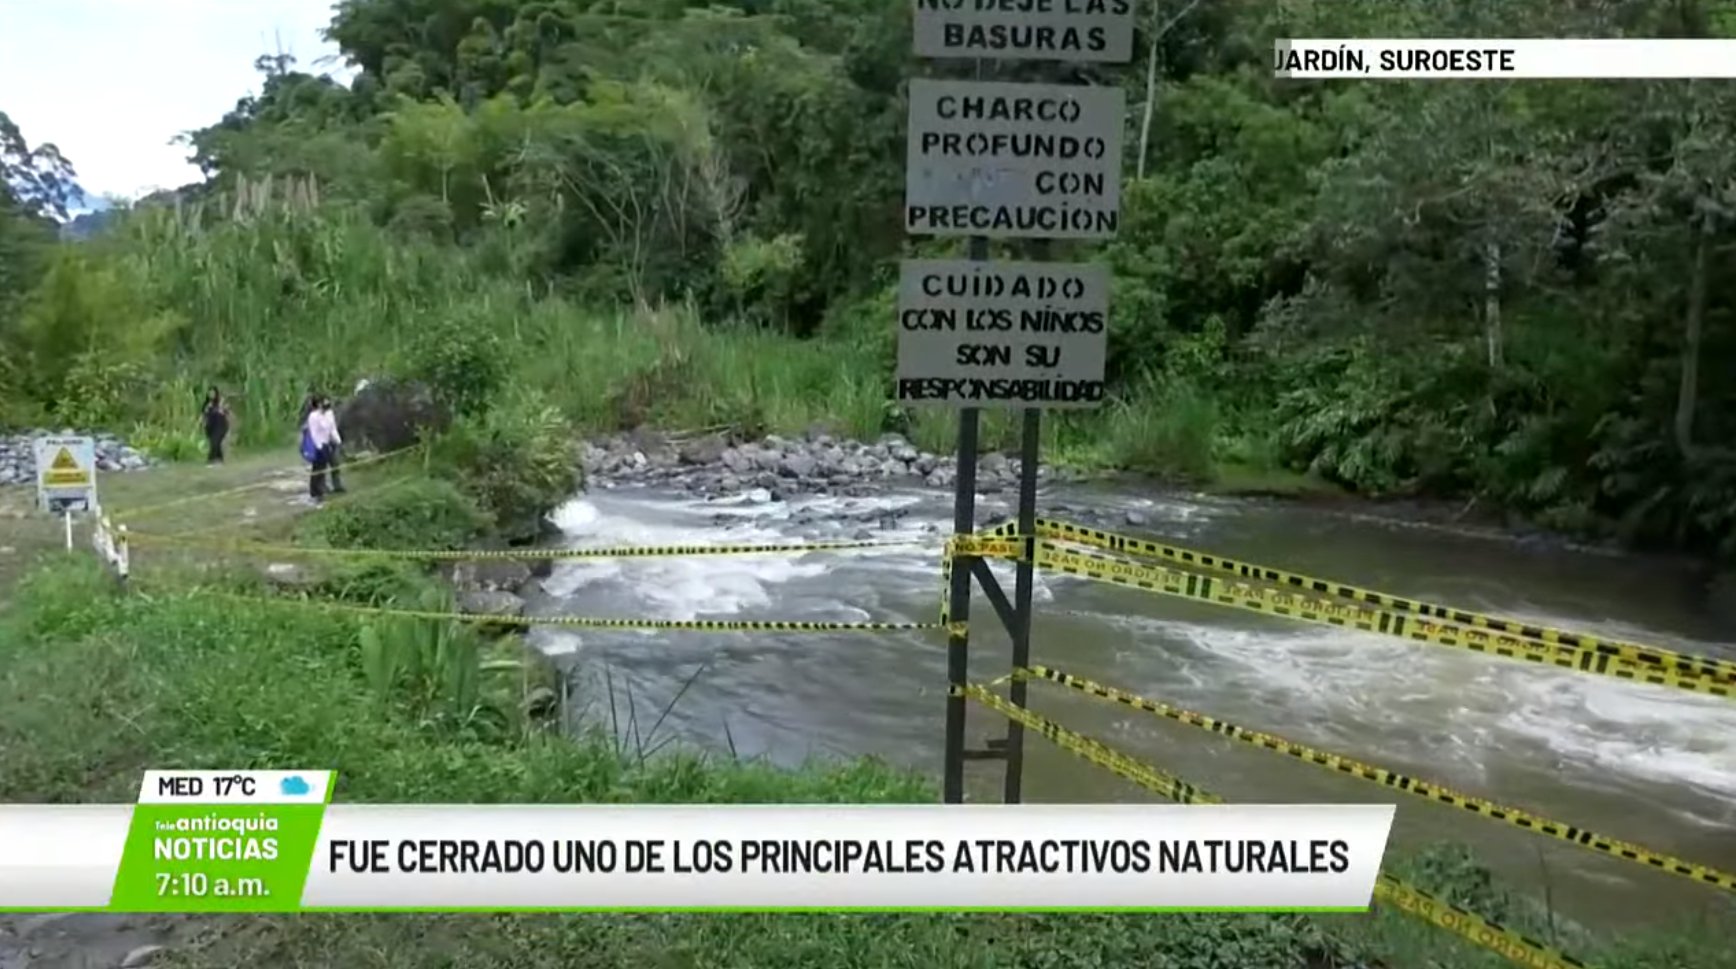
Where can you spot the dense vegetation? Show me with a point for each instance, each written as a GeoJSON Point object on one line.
{"type": "Point", "coordinates": [1514, 291]}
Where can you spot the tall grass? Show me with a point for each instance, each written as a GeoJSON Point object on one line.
{"type": "Point", "coordinates": [610, 370]}
{"type": "Point", "coordinates": [1168, 429]}
{"type": "Point", "coordinates": [286, 299]}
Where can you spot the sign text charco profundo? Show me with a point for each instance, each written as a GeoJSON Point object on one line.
{"type": "Point", "coordinates": [1013, 161]}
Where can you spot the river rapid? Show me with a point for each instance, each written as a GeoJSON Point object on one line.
{"type": "Point", "coordinates": [1647, 764]}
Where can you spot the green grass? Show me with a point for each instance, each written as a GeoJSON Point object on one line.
{"type": "Point", "coordinates": [252, 494]}
{"type": "Point", "coordinates": [97, 685]}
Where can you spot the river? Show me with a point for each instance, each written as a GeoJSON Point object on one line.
{"type": "Point", "coordinates": [1647, 764]}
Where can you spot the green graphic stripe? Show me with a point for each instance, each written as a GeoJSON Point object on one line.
{"type": "Point", "coordinates": [217, 857]}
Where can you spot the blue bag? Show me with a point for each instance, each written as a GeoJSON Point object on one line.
{"type": "Point", "coordinates": [309, 453]}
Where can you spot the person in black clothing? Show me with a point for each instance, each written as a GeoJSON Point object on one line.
{"type": "Point", "coordinates": [216, 418]}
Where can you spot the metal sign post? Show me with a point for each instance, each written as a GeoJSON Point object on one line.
{"type": "Point", "coordinates": [1000, 160]}
{"type": "Point", "coordinates": [958, 643]}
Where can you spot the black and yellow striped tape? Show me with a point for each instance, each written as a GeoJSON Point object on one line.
{"type": "Point", "coordinates": [976, 546]}
{"type": "Point", "coordinates": [1204, 588]}
{"type": "Point", "coordinates": [586, 622]}
{"type": "Point", "coordinates": [1514, 946]}
{"type": "Point", "coordinates": [946, 587]}
{"type": "Point", "coordinates": [546, 554]}
{"type": "Point", "coordinates": [1669, 660]}
{"type": "Point", "coordinates": [1010, 548]}
{"type": "Point", "coordinates": [1393, 780]}
{"type": "Point", "coordinates": [1091, 749]}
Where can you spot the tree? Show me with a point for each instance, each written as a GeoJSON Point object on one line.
{"type": "Point", "coordinates": [36, 187]}
{"type": "Point", "coordinates": [39, 181]}
{"type": "Point", "coordinates": [1683, 214]}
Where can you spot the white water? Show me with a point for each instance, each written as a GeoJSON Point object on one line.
{"type": "Point", "coordinates": [1654, 765]}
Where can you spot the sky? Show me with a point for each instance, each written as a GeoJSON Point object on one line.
{"type": "Point", "coordinates": [112, 82]}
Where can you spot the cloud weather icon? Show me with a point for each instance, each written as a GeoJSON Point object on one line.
{"type": "Point", "coordinates": [294, 786]}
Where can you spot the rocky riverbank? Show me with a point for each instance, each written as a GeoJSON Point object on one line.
{"type": "Point", "coordinates": [18, 456]}
{"type": "Point", "coordinates": [774, 468]}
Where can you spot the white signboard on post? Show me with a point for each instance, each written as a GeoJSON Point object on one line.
{"type": "Point", "coordinates": [1013, 161]}
{"type": "Point", "coordinates": [66, 473]}
{"type": "Point", "coordinates": [1002, 334]}
{"type": "Point", "coordinates": [1047, 30]}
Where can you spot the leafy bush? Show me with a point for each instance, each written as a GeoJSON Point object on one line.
{"type": "Point", "coordinates": [88, 336]}
{"type": "Point", "coordinates": [378, 583]}
{"type": "Point", "coordinates": [16, 410]}
{"type": "Point", "coordinates": [463, 360]}
{"type": "Point", "coordinates": [100, 391]}
{"type": "Point", "coordinates": [1381, 422]}
{"type": "Point", "coordinates": [1167, 428]}
{"type": "Point", "coordinates": [761, 276]}
{"type": "Point", "coordinates": [516, 461]}
{"type": "Point", "coordinates": [430, 514]}
{"type": "Point", "coordinates": [435, 668]}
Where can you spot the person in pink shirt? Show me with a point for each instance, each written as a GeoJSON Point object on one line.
{"type": "Point", "coordinates": [322, 430]}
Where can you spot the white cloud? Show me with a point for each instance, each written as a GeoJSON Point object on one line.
{"type": "Point", "coordinates": [112, 82]}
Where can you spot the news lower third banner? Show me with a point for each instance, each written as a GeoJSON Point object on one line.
{"type": "Point", "coordinates": [1535, 58]}
{"type": "Point", "coordinates": [271, 841]}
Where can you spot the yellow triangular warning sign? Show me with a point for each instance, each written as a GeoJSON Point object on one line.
{"type": "Point", "coordinates": [64, 461]}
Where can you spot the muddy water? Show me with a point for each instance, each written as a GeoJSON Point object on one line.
{"type": "Point", "coordinates": [1650, 765]}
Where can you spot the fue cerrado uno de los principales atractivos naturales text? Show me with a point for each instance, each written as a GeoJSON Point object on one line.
{"type": "Point", "coordinates": [841, 857]}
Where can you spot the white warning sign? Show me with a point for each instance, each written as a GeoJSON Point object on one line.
{"type": "Point", "coordinates": [1013, 161]}
{"type": "Point", "coordinates": [66, 473]}
{"type": "Point", "coordinates": [1099, 31]}
{"type": "Point", "coordinates": [1002, 334]}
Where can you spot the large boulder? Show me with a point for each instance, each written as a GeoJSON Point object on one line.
{"type": "Point", "coordinates": [388, 415]}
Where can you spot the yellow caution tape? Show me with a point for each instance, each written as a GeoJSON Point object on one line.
{"type": "Point", "coordinates": [1516, 948]}
{"type": "Point", "coordinates": [465, 555]}
{"type": "Point", "coordinates": [1204, 588]}
{"type": "Point", "coordinates": [1467, 925]}
{"type": "Point", "coordinates": [1664, 659]}
{"type": "Point", "coordinates": [946, 587]}
{"type": "Point", "coordinates": [585, 622]}
{"type": "Point", "coordinates": [141, 512]}
{"type": "Point", "coordinates": [978, 546]}
{"type": "Point", "coordinates": [1092, 750]}
{"type": "Point", "coordinates": [1393, 780]}
{"type": "Point", "coordinates": [975, 546]}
